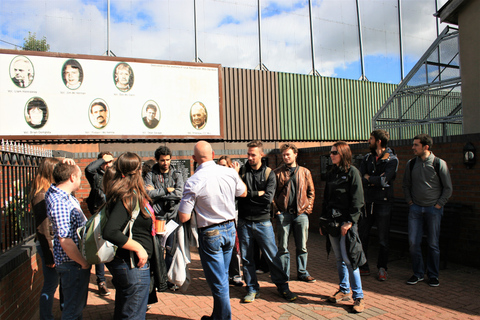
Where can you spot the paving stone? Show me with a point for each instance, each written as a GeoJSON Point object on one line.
{"type": "Point", "coordinates": [455, 298]}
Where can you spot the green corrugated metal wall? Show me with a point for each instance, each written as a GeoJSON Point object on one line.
{"type": "Point", "coordinates": [320, 108]}
{"type": "Point", "coordinates": [274, 106]}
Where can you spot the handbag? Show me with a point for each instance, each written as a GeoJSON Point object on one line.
{"type": "Point", "coordinates": [331, 223]}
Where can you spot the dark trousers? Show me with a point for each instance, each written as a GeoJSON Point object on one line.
{"type": "Point", "coordinates": [378, 214]}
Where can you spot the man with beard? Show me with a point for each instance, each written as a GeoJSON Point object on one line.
{"type": "Point", "coordinates": [254, 224]}
{"type": "Point", "coordinates": [164, 185]}
{"type": "Point", "coordinates": [294, 199]}
{"type": "Point", "coordinates": [98, 114]}
{"type": "Point", "coordinates": [378, 171]}
{"type": "Point", "coordinates": [427, 187]}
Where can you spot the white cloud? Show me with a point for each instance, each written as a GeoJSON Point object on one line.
{"type": "Point", "coordinates": [227, 30]}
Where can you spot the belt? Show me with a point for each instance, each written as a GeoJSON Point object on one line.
{"type": "Point", "coordinates": [217, 224]}
{"type": "Point", "coordinates": [291, 210]}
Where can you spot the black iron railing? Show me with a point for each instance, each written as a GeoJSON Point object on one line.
{"type": "Point", "coordinates": [18, 166]}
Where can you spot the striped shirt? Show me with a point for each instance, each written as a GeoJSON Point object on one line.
{"type": "Point", "coordinates": [66, 216]}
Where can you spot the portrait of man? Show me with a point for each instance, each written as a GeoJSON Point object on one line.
{"type": "Point", "coordinates": [99, 114]}
{"type": "Point", "coordinates": [36, 113]}
{"type": "Point", "coordinates": [198, 115]}
{"type": "Point", "coordinates": [151, 115]}
{"type": "Point", "coordinates": [21, 71]}
{"type": "Point", "coordinates": [123, 77]}
{"type": "Point", "coordinates": [72, 74]}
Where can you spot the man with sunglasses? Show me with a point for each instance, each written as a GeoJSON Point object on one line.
{"type": "Point", "coordinates": [378, 171]}
{"type": "Point", "coordinates": [293, 199]}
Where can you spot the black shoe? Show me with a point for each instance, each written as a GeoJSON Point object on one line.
{"type": "Point", "coordinates": [288, 295]}
{"type": "Point", "coordinates": [206, 318]}
{"type": "Point", "coordinates": [236, 283]}
{"type": "Point", "coordinates": [364, 272]}
{"type": "Point", "coordinates": [102, 289]}
{"type": "Point", "coordinates": [414, 280]}
{"type": "Point", "coordinates": [433, 282]}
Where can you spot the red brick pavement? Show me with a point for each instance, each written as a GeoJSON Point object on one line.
{"type": "Point", "coordinates": [457, 297]}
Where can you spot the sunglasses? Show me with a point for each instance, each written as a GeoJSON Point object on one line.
{"type": "Point", "coordinates": [334, 152]}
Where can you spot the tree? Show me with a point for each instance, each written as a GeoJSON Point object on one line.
{"type": "Point", "coordinates": [31, 43]}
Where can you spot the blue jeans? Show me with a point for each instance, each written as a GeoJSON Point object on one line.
{"type": "Point", "coordinates": [431, 217]}
{"type": "Point", "coordinates": [50, 284]}
{"type": "Point", "coordinates": [379, 214]}
{"type": "Point", "coordinates": [298, 224]}
{"type": "Point", "coordinates": [348, 277]}
{"type": "Point", "coordinates": [262, 232]}
{"type": "Point", "coordinates": [100, 272]}
{"type": "Point", "coordinates": [74, 286]}
{"type": "Point", "coordinates": [131, 289]}
{"type": "Point", "coordinates": [215, 249]}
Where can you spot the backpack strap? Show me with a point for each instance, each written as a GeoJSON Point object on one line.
{"type": "Point", "coordinates": [412, 164]}
{"type": "Point", "coordinates": [436, 166]}
{"type": "Point", "coordinates": [243, 172]}
{"type": "Point", "coordinates": [129, 228]}
{"type": "Point", "coordinates": [267, 173]}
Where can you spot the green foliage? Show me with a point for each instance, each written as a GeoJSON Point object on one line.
{"type": "Point", "coordinates": [31, 43]}
{"type": "Point", "coordinates": [17, 211]}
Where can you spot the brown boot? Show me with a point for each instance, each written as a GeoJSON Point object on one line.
{"type": "Point", "coordinates": [339, 296]}
{"type": "Point", "coordinates": [359, 305]}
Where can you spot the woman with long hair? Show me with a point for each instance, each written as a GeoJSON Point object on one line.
{"type": "Point", "coordinates": [342, 203]}
{"type": "Point", "coordinates": [44, 234]}
{"type": "Point", "coordinates": [131, 272]}
{"type": "Point", "coordinates": [225, 161]}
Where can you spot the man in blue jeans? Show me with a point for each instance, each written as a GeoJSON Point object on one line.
{"type": "Point", "coordinates": [378, 171]}
{"type": "Point", "coordinates": [211, 191]}
{"type": "Point", "coordinates": [294, 199]}
{"type": "Point", "coordinates": [66, 215]}
{"type": "Point", "coordinates": [427, 187]}
{"type": "Point", "coordinates": [254, 224]}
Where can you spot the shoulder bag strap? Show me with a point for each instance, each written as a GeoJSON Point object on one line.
{"type": "Point", "coordinates": [128, 228]}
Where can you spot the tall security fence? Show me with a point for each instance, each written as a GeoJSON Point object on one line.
{"type": "Point", "coordinates": [18, 166]}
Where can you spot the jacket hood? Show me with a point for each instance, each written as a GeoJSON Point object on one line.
{"type": "Point", "coordinates": [388, 154]}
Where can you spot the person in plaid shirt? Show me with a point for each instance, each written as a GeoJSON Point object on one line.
{"type": "Point", "coordinates": [64, 211]}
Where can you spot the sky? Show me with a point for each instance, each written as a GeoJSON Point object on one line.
{"type": "Point", "coordinates": [227, 32]}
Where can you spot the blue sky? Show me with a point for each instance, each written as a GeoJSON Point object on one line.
{"type": "Point", "coordinates": [227, 32]}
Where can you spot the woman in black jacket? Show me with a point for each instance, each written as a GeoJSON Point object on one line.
{"type": "Point", "coordinates": [343, 200]}
{"type": "Point", "coordinates": [130, 268]}
{"type": "Point", "coordinates": [44, 235]}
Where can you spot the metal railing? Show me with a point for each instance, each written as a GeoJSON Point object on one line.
{"type": "Point", "coordinates": [18, 166]}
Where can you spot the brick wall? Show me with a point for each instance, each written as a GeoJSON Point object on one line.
{"type": "Point", "coordinates": [466, 188]}
{"type": "Point", "coordinates": [20, 288]}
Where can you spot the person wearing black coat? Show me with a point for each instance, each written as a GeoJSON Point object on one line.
{"type": "Point", "coordinates": [342, 203]}
{"type": "Point", "coordinates": [94, 173]}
